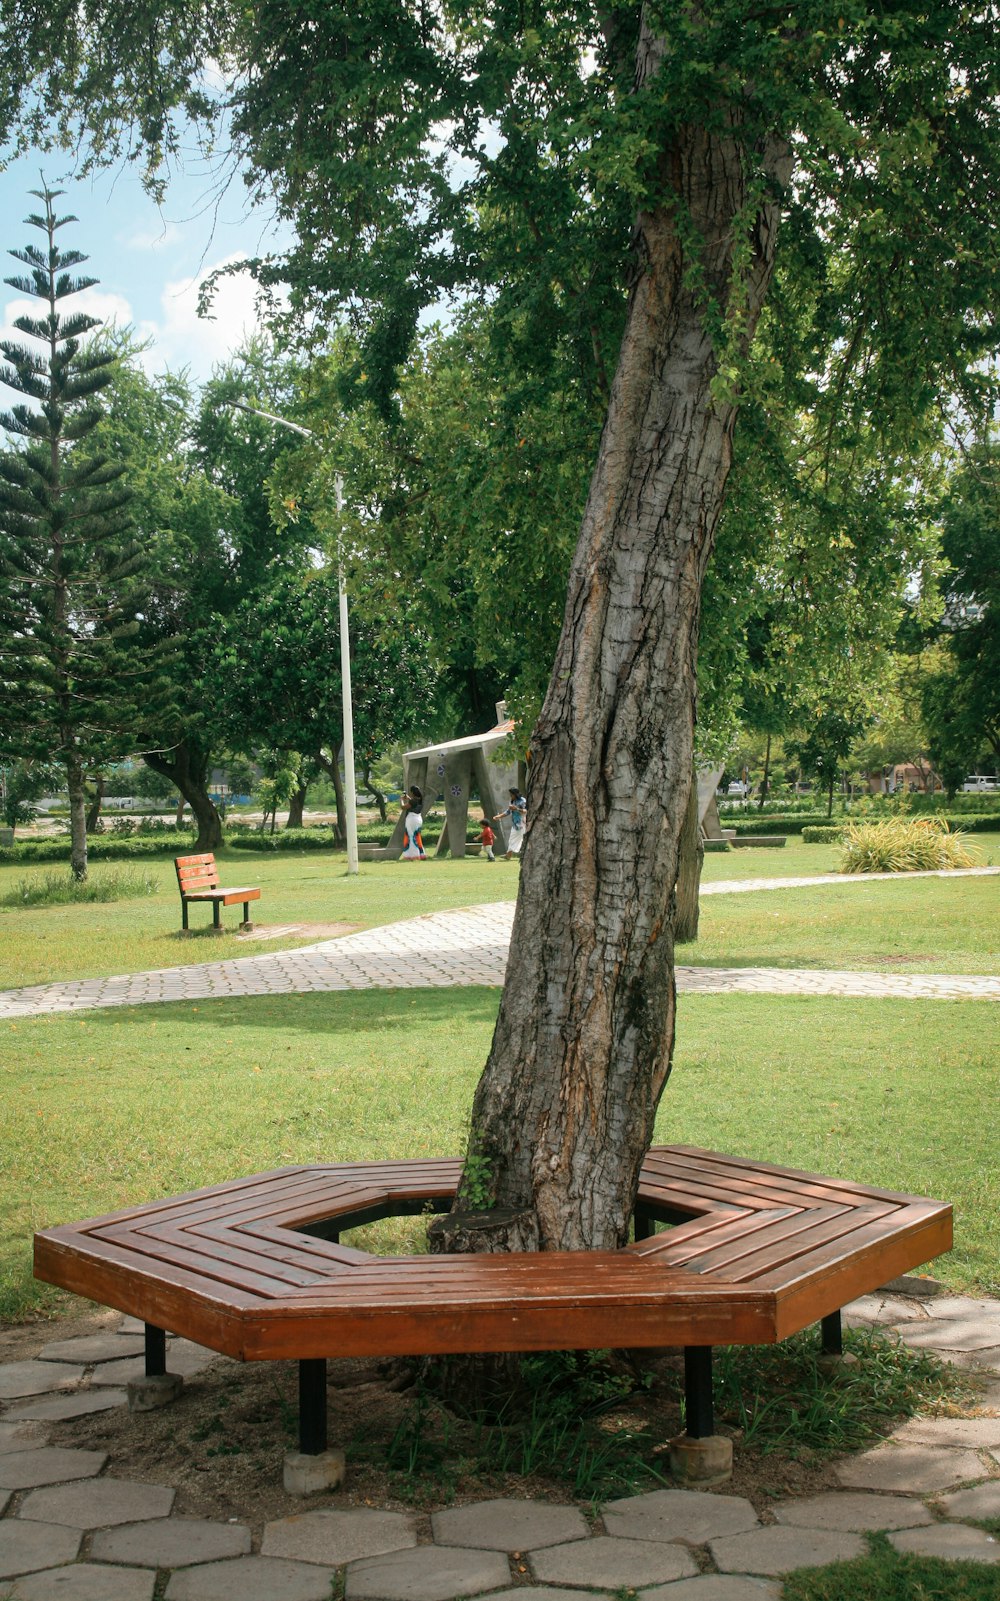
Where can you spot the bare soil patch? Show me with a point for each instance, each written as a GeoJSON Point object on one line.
{"type": "Point", "coordinates": [222, 1443]}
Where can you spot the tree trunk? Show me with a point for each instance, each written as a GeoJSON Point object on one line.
{"type": "Point", "coordinates": [186, 765]}
{"type": "Point", "coordinates": [829, 796]}
{"type": "Point", "coordinates": [332, 768]}
{"type": "Point", "coordinates": [94, 809]}
{"type": "Point", "coordinates": [564, 1112]}
{"type": "Point", "coordinates": [765, 782]}
{"type": "Point", "coordinates": [77, 817]}
{"type": "Point", "coordinates": [297, 806]}
{"type": "Point", "coordinates": [377, 795]}
{"type": "Point", "coordinates": [692, 855]}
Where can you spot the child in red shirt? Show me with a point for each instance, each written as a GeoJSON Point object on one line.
{"type": "Point", "coordinates": [486, 839]}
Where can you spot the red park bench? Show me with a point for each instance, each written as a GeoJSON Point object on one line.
{"type": "Point", "coordinates": [198, 880]}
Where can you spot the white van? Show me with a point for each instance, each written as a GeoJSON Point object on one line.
{"type": "Point", "coordinates": [980, 783]}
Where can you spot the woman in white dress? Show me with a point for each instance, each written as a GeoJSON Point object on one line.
{"type": "Point", "coordinates": [413, 845]}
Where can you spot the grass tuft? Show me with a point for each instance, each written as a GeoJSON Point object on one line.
{"type": "Point", "coordinates": [783, 1398]}
{"type": "Point", "coordinates": [886, 1575]}
{"type": "Point", "coordinates": [61, 889]}
{"type": "Point", "coordinates": [904, 845]}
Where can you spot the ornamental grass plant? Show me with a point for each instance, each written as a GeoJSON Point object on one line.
{"type": "Point", "coordinates": [904, 845]}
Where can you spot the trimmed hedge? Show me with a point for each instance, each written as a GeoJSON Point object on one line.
{"type": "Point", "coordinates": [98, 850]}
{"type": "Point", "coordinates": [829, 834]}
{"type": "Point", "coordinates": [775, 824]}
{"type": "Point", "coordinates": [717, 845]}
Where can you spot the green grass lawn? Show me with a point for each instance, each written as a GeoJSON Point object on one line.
{"type": "Point", "coordinates": [127, 1104]}
{"type": "Point", "coordinates": [930, 924]}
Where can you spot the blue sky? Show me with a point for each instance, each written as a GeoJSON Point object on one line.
{"type": "Point", "coordinates": [149, 261]}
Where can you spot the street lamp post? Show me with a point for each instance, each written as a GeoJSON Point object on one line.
{"type": "Point", "coordinates": [350, 789]}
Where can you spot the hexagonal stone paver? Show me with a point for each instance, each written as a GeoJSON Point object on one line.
{"type": "Point", "coordinates": [48, 1464]}
{"type": "Point", "coordinates": [854, 1511]}
{"type": "Point", "coordinates": [974, 1332]}
{"type": "Point", "coordinates": [611, 1563]}
{"type": "Point", "coordinates": [35, 1378]}
{"type": "Point", "coordinates": [538, 1592]}
{"type": "Point", "coordinates": [717, 1587]}
{"type": "Point", "coordinates": [509, 1525]}
{"type": "Point", "coordinates": [953, 1540]}
{"type": "Point", "coordinates": [99, 1504]}
{"type": "Point", "coordinates": [84, 1581]}
{"type": "Point", "coordinates": [691, 1515]}
{"type": "Point", "coordinates": [251, 1579]}
{"type": "Point", "coordinates": [981, 1503]}
{"type": "Point", "coordinates": [334, 1537]}
{"type": "Point", "coordinates": [428, 1573]}
{"type": "Point", "coordinates": [20, 1435]}
{"type": "Point", "coordinates": [974, 1432]}
{"type": "Point", "coordinates": [774, 1551]}
{"type": "Point", "coordinates": [92, 1348]}
{"type": "Point", "coordinates": [77, 1404]}
{"type": "Point", "coordinates": [171, 1542]}
{"type": "Point", "coordinates": [916, 1468]}
{"type": "Point", "coordinates": [26, 1547]}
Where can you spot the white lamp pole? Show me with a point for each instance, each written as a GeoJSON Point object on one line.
{"type": "Point", "coordinates": [350, 789]}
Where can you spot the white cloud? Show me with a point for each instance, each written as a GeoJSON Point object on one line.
{"type": "Point", "coordinates": [185, 339]}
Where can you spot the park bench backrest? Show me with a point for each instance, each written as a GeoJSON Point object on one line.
{"type": "Point", "coordinates": [196, 873]}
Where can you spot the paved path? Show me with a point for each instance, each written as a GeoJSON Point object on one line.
{"type": "Point", "coordinates": [71, 1530]}
{"type": "Point", "coordinates": [443, 949]}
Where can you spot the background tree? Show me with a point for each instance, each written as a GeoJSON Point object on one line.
{"type": "Point", "coordinates": [286, 689]}
{"type": "Point", "coordinates": [72, 676]}
{"type": "Point", "coordinates": [962, 698]}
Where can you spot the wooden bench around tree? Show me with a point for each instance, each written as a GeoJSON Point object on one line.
{"type": "Point", "coordinates": [198, 880]}
{"type": "Point", "coordinates": [259, 1269]}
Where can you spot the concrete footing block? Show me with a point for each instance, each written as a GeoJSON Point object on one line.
{"type": "Point", "coordinates": [708, 1460]}
{"type": "Point", "coordinates": [153, 1391]}
{"type": "Point", "coordinates": [247, 928]}
{"type": "Point", "coordinates": [303, 1474]}
{"type": "Point", "coordinates": [836, 1361]}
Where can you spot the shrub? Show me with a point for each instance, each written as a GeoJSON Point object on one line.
{"type": "Point", "coordinates": [717, 845]}
{"type": "Point", "coordinates": [903, 845]}
{"type": "Point", "coordinates": [60, 889]}
{"type": "Point", "coordinates": [825, 834]}
{"type": "Point", "coordinates": [108, 849]}
{"type": "Point", "coordinates": [287, 839]}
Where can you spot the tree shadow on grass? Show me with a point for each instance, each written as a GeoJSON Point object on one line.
{"type": "Point", "coordinates": [328, 1012]}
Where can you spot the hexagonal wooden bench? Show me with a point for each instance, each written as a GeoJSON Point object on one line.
{"type": "Point", "coordinates": [256, 1269]}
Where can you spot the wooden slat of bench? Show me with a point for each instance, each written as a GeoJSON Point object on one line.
{"type": "Point", "coordinates": [744, 1189]}
{"type": "Point", "coordinates": [242, 1254]}
{"type": "Point", "coordinates": [189, 1258]}
{"type": "Point", "coordinates": [227, 1200]}
{"type": "Point", "coordinates": [781, 1247]}
{"type": "Point", "coordinates": [192, 1200]}
{"type": "Point", "coordinates": [910, 1223]}
{"type": "Point", "coordinates": [676, 1247]}
{"type": "Point", "coordinates": [805, 1180]}
{"type": "Point", "coordinates": [327, 1249]}
{"type": "Point", "coordinates": [226, 897]}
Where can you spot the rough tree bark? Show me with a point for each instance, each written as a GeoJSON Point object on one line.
{"type": "Point", "coordinates": [564, 1111]}
{"type": "Point", "coordinates": [331, 767]}
{"type": "Point", "coordinates": [186, 765]}
{"type": "Point", "coordinates": [96, 801]}
{"type": "Point", "coordinates": [297, 806]}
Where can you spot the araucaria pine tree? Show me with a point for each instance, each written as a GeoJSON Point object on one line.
{"type": "Point", "coordinates": [69, 670]}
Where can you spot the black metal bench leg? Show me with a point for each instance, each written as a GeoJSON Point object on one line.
{"type": "Point", "coordinates": [643, 1225]}
{"type": "Point", "coordinates": [216, 916]}
{"type": "Point", "coordinates": [699, 1414]}
{"type": "Point", "coordinates": [156, 1351]}
{"type": "Point", "coordinates": [832, 1335]}
{"type": "Point", "coordinates": [184, 915]}
{"type": "Point", "coordinates": [312, 1406]}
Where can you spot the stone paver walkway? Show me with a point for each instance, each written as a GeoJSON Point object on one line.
{"type": "Point", "coordinates": [442, 949]}
{"type": "Point", "coordinates": [70, 1530]}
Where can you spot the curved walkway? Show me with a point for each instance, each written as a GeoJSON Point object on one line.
{"type": "Point", "coordinates": [444, 949]}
